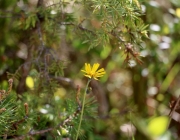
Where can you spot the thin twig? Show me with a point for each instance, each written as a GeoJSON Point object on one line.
{"type": "Point", "coordinates": [79, 26]}
{"type": "Point", "coordinates": [40, 38]}
{"type": "Point", "coordinates": [173, 110]}
{"type": "Point", "coordinates": [54, 4]}
{"type": "Point", "coordinates": [32, 132]}
{"type": "Point", "coordinates": [67, 120]}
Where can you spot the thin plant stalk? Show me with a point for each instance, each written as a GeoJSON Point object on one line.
{"type": "Point", "coordinates": [82, 110]}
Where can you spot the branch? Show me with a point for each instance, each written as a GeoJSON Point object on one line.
{"type": "Point", "coordinates": [79, 26]}
{"type": "Point", "coordinates": [174, 107]}
{"type": "Point", "coordinates": [68, 119]}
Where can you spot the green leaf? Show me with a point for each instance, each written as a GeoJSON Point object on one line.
{"type": "Point", "coordinates": [86, 41]}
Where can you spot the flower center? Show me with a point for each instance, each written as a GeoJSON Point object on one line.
{"type": "Point", "coordinates": [91, 73]}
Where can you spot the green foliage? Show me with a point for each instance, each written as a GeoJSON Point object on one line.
{"type": "Point", "coordinates": [30, 22]}
{"type": "Point", "coordinates": [50, 43]}
{"type": "Point", "coordinates": [114, 19]}
{"type": "Point", "coordinates": [57, 68]}
{"type": "Point", "coordinates": [8, 115]}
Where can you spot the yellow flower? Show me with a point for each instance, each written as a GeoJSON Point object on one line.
{"type": "Point", "coordinates": [93, 72]}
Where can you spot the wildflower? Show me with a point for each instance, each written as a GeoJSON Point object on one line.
{"type": "Point", "coordinates": [93, 72]}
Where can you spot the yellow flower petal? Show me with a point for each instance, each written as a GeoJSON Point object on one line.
{"type": "Point", "coordinates": [83, 71]}
{"type": "Point", "coordinates": [95, 67]}
{"type": "Point", "coordinates": [88, 76]}
{"type": "Point", "coordinates": [89, 67]}
{"type": "Point", "coordinates": [101, 70]}
{"type": "Point", "coordinates": [93, 72]}
{"type": "Point", "coordinates": [95, 78]}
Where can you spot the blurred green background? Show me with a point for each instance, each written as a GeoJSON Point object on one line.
{"type": "Point", "coordinates": [133, 99]}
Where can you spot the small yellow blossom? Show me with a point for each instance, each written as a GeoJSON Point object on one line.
{"type": "Point", "coordinates": [93, 72]}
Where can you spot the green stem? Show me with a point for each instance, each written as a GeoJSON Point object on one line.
{"type": "Point", "coordinates": [82, 109]}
